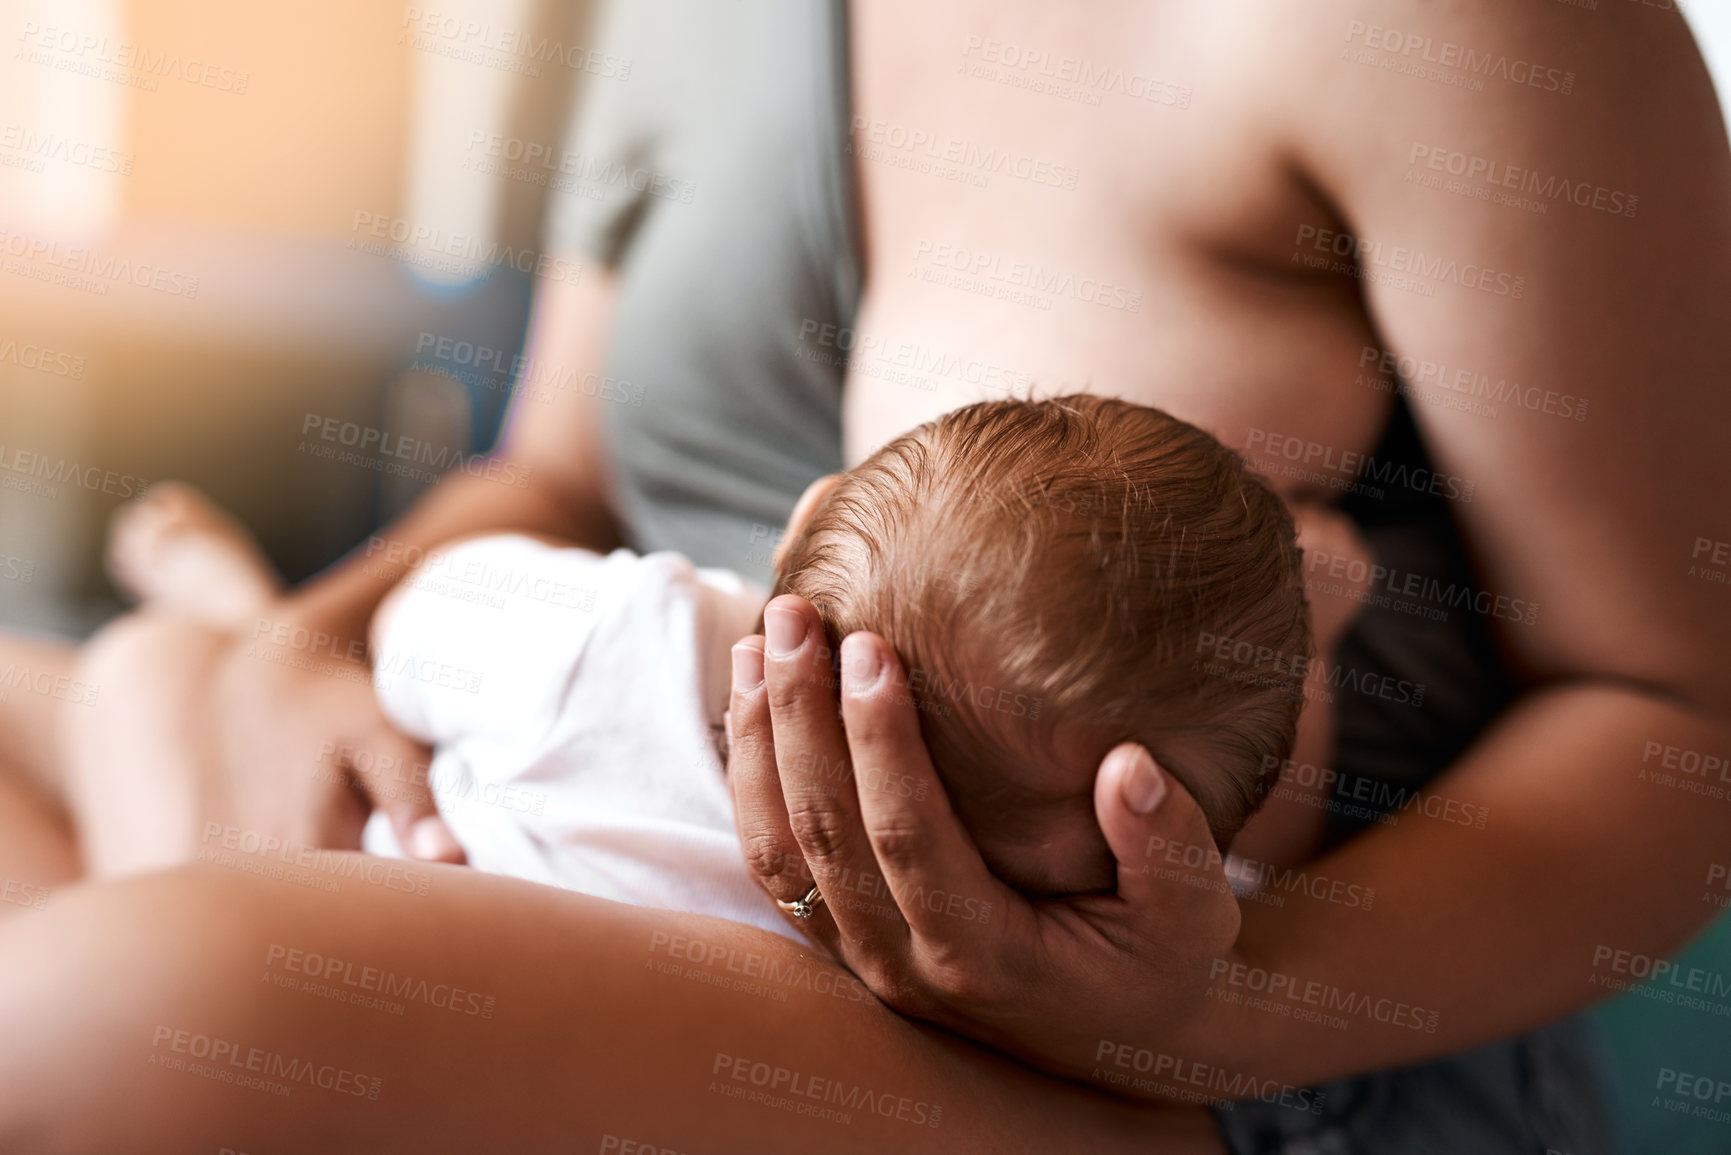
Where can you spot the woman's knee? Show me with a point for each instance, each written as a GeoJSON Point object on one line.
{"type": "Point", "coordinates": [137, 652]}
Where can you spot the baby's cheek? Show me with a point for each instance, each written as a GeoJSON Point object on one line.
{"type": "Point", "coordinates": [1337, 572]}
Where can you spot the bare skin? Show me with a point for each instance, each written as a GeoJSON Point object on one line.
{"type": "Point", "coordinates": [1201, 210]}
{"type": "Point", "coordinates": [1214, 217]}
{"type": "Point", "coordinates": [644, 1062]}
{"type": "Point", "coordinates": [176, 551]}
{"type": "Point", "coordinates": [588, 1021]}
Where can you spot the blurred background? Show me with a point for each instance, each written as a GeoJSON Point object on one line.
{"type": "Point", "coordinates": [222, 222]}
{"type": "Point", "coordinates": [224, 225]}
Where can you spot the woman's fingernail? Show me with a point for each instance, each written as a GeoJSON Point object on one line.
{"type": "Point", "coordinates": [784, 630]}
{"type": "Point", "coordinates": [432, 841]}
{"type": "Point", "coordinates": [861, 665]}
{"type": "Point", "coordinates": [1143, 786]}
{"type": "Point", "coordinates": [747, 667]}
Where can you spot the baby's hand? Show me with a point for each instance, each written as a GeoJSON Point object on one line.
{"type": "Point", "coordinates": [1336, 571]}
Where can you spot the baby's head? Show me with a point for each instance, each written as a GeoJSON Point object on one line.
{"type": "Point", "coordinates": [1053, 575]}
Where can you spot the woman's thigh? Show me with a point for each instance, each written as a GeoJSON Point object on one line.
{"type": "Point", "coordinates": [269, 1002]}
{"type": "Point", "coordinates": [38, 852]}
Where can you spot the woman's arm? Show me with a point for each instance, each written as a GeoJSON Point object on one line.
{"type": "Point", "coordinates": [1585, 861]}
{"type": "Point", "coordinates": [341, 1003]}
{"type": "Point", "coordinates": [1616, 294]}
{"type": "Point", "coordinates": [1598, 785]}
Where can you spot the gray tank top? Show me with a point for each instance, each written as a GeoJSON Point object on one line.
{"type": "Point", "coordinates": [725, 200]}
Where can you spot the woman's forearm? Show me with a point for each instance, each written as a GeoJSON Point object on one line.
{"type": "Point", "coordinates": [1517, 888]}
{"type": "Point", "coordinates": [341, 600]}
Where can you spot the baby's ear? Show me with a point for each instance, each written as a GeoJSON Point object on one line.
{"type": "Point", "coordinates": [802, 511]}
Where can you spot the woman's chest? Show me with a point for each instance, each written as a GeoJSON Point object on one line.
{"type": "Point", "coordinates": [1056, 200]}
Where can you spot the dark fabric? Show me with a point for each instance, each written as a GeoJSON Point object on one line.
{"type": "Point", "coordinates": [1536, 1095]}
{"type": "Point", "coordinates": [1448, 681]}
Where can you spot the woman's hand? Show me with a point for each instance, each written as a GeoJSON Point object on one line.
{"type": "Point", "coordinates": [910, 906]}
{"type": "Point", "coordinates": [269, 733]}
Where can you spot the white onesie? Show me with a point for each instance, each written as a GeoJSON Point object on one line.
{"type": "Point", "coordinates": [575, 703]}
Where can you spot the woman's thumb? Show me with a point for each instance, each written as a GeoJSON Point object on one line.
{"type": "Point", "coordinates": [1165, 851]}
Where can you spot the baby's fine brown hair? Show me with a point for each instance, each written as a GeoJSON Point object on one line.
{"type": "Point", "coordinates": [1072, 562]}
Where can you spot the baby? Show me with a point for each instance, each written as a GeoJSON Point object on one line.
{"type": "Point", "coordinates": [1055, 575]}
